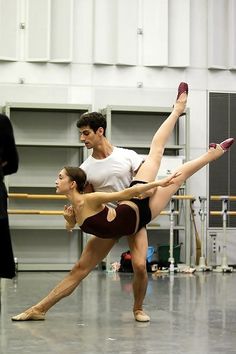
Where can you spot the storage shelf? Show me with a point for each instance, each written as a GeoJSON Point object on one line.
{"type": "Point", "coordinates": [158, 227]}
{"type": "Point", "coordinates": [146, 146]}
{"type": "Point", "coordinates": [45, 266]}
{"type": "Point", "coordinates": [31, 185]}
{"type": "Point", "coordinates": [40, 227]}
{"type": "Point", "coordinates": [53, 144]}
{"type": "Point", "coordinates": [47, 139]}
{"type": "Point", "coordinates": [69, 107]}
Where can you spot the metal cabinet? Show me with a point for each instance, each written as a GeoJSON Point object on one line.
{"type": "Point", "coordinates": [47, 139]}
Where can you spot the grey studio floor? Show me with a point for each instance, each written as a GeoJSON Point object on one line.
{"type": "Point", "coordinates": [189, 314]}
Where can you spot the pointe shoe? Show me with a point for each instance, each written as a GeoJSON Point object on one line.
{"type": "Point", "coordinates": [225, 145]}
{"type": "Point", "coordinates": [141, 316]}
{"type": "Point", "coordinates": [183, 87]}
{"type": "Point", "coordinates": [30, 316]}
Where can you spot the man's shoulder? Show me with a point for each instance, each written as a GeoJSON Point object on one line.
{"type": "Point", "coordinates": [86, 161]}
{"type": "Point", "coordinates": [124, 151]}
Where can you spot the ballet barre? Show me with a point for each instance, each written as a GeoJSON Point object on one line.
{"type": "Point", "coordinates": [219, 213]}
{"type": "Point", "coordinates": [35, 212]}
{"type": "Point", "coordinates": [39, 197]}
{"type": "Point", "coordinates": [56, 212]}
{"type": "Point", "coordinates": [183, 197]}
{"type": "Point", "coordinates": [35, 196]}
{"type": "Point", "coordinates": [202, 266]}
{"type": "Point", "coordinates": [223, 197]}
{"type": "Point", "coordinates": [172, 212]}
{"type": "Point", "coordinates": [224, 213]}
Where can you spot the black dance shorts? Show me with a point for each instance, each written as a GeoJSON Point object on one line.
{"type": "Point", "coordinates": [145, 215]}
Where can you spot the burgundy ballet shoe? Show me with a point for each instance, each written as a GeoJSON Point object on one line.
{"type": "Point", "coordinates": [225, 145]}
{"type": "Point", "coordinates": [183, 87]}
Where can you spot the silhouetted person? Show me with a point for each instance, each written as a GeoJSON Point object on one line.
{"type": "Point", "coordinates": [8, 165]}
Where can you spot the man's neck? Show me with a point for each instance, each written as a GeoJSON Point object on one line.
{"type": "Point", "coordinates": [103, 150]}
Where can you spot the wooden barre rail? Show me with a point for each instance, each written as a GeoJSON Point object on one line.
{"type": "Point", "coordinates": [35, 212]}
{"type": "Point", "coordinates": [183, 197]}
{"type": "Point", "coordinates": [218, 213]}
{"type": "Point", "coordinates": [222, 197]}
{"type": "Point", "coordinates": [52, 196]}
{"type": "Point", "coordinates": [35, 196]}
{"type": "Point", "coordinates": [57, 212]}
{"type": "Point", "coordinates": [63, 197]}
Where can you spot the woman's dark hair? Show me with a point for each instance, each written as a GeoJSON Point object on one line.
{"type": "Point", "coordinates": [78, 175]}
{"type": "Point", "coordinates": [94, 120]}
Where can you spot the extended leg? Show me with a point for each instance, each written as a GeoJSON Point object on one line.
{"type": "Point", "coordinates": [94, 252]}
{"type": "Point", "coordinates": [150, 167]}
{"type": "Point", "coordinates": [162, 195]}
{"type": "Point", "coordinates": [138, 245]}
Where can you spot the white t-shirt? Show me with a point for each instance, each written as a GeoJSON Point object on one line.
{"type": "Point", "coordinates": [115, 172]}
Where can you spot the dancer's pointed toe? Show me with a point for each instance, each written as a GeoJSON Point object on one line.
{"type": "Point", "coordinates": [183, 87]}
{"type": "Point", "coordinates": [225, 145]}
{"type": "Point", "coordinates": [181, 101]}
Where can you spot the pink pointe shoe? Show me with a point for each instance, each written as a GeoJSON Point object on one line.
{"type": "Point", "coordinates": [225, 145]}
{"type": "Point", "coordinates": [183, 87]}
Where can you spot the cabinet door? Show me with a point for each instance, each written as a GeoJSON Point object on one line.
{"type": "Point", "coordinates": [222, 174]}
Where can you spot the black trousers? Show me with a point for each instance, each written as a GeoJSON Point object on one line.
{"type": "Point", "coordinates": [7, 265]}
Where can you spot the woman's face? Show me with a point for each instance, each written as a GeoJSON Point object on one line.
{"type": "Point", "coordinates": [63, 182]}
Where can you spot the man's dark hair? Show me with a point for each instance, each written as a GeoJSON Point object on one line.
{"type": "Point", "coordinates": [94, 120]}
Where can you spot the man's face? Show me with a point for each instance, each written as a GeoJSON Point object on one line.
{"type": "Point", "coordinates": [89, 138]}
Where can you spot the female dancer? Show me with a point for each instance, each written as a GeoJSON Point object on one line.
{"type": "Point", "coordinates": [135, 208]}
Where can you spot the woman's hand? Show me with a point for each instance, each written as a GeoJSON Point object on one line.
{"type": "Point", "coordinates": [167, 181]}
{"type": "Point", "coordinates": [69, 216]}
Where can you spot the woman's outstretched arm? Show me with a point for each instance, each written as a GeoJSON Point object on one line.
{"type": "Point", "coordinates": [137, 190]}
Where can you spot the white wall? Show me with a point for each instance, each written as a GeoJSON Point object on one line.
{"type": "Point", "coordinates": [91, 52]}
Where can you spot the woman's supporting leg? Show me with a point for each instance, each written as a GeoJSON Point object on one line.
{"type": "Point", "coordinates": [138, 244]}
{"type": "Point", "coordinates": [94, 252]}
{"type": "Point", "coordinates": [150, 167]}
{"type": "Point", "coordinates": [161, 197]}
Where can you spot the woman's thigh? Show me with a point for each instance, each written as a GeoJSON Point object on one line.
{"type": "Point", "coordinates": [95, 251]}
